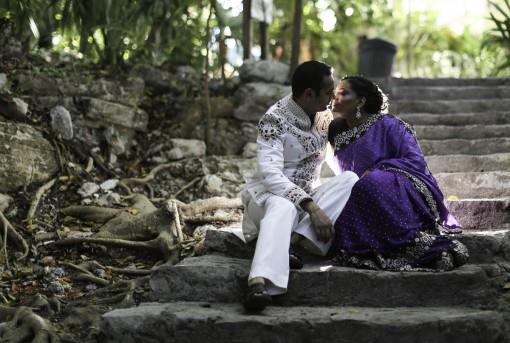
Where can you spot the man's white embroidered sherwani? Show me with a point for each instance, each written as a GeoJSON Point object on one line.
{"type": "Point", "coordinates": [290, 153]}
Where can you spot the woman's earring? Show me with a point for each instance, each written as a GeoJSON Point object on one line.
{"type": "Point", "coordinates": [358, 112]}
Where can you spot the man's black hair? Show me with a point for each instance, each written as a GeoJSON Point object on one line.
{"type": "Point", "coordinates": [309, 75]}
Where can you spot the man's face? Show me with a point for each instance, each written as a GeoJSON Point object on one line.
{"type": "Point", "coordinates": [321, 101]}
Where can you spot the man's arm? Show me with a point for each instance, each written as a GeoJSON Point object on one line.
{"type": "Point", "coordinates": [270, 163]}
{"type": "Point", "coordinates": [321, 223]}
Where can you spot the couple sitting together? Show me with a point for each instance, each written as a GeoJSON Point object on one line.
{"type": "Point", "coordinates": [383, 209]}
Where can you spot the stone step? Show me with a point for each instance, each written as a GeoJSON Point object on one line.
{"type": "Point", "coordinates": [468, 163]}
{"type": "Point", "coordinates": [450, 82]}
{"type": "Point", "coordinates": [205, 322]}
{"type": "Point", "coordinates": [457, 119]}
{"type": "Point", "coordinates": [474, 185]}
{"type": "Point", "coordinates": [223, 279]}
{"type": "Point", "coordinates": [485, 245]}
{"type": "Point", "coordinates": [448, 106]}
{"type": "Point", "coordinates": [434, 93]}
{"type": "Point", "coordinates": [455, 146]}
{"type": "Point", "coordinates": [477, 214]}
{"type": "Point", "coordinates": [438, 132]}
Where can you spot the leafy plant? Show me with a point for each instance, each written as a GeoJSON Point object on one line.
{"type": "Point", "coordinates": [499, 36]}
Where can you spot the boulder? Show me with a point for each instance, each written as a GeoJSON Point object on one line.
{"type": "Point", "coordinates": [127, 91]}
{"type": "Point", "coordinates": [264, 71]}
{"type": "Point", "coordinates": [96, 121]}
{"type": "Point", "coordinates": [155, 79]}
{"type": "Point", "coordinates": [21, 106]}
{"type": "Point", "coordinates": [61, 122]}
{"type": "Point", "coordinates": [213, 184]}
{"type": "Point", "coordinates": [3, 81]}
{"type": "Point", "coordinates": [184, 148]}
{"type": "Point", "coordinates": [5, 201]}
{"type": "Point", "coordinates": [250, 150]}
{"type": "Point", "coordinates": [255, 98]}
{"type": "Point", "coordinates": [228, 136]}
{"type": "Point", "coordinates": [25, 156]}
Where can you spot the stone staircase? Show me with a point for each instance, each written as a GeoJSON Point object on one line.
{"type": "Point", "coordinates": [463, 129]}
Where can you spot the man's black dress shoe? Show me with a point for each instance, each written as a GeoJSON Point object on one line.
{"type": "Point", "coordinates": [295, 262]}
{"type": "Point", "coordinates": [257, 298]}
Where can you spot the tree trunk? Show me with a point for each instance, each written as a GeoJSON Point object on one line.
{"type": "Point", "coordinates": [207, 120]}
{"type": "Point", "coordinates": [263, 40]}
{"type": "Point", "coordinates": [296, 36]}
{"type": "Point", "coordinates": [247, 29]}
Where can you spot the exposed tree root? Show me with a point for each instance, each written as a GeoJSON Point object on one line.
{"type": "Point", "coordinates": [9, 232]}
{"type": "Point", "coordinates": [25, 326]}
{"type": "Point", "coordinates": [121, 293]}
{"type": "Point", "coordinates": [149, 177]}
{"type": "Point", "coordinates": [41, 303]}
{"type": "Point", "coordinates": [37, 198]}
{"type": "Point", "coordinates": [86, 275]}
{"type": "Point", "coordinates": [91, 213]}
{"type": "Point", "coordinates": [143, 226]}
{"type": "Point", "coordinates": [187, 186]}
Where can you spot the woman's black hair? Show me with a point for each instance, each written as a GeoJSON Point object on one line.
{"type": "Point", "coordinates": [375, 100]}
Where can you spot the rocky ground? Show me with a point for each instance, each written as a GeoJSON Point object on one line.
{"type": "Point", "coordinates": [105, 174]}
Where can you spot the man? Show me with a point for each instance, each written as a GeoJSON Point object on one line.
{"type": "Point", "coordinates": [283, 197]}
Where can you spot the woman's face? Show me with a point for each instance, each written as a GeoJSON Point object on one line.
{"type": "Point", "coordinates": [346, 100]}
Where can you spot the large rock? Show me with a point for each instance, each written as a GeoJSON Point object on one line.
{"type": "Point", "coordinates": [96, 113]}
{"type": "Point", "coordinates": [255, 98]}
{"type": "Point", "coordinates": [186, 322]}
{"type": "Point", "coordinates": [187, 147]}
{"type": "Point", "coordinates": [228, 136]}
{"type": "Point", "coordinates": [264, 71]}
{"type": "Point", "coordinates": [126, 91]}
{"type": "Point", "coordinates": [155, 79]}
{"type": "Point", "coordinates": [96, 121]}
{"type": "Point", "coordinates": [222, 279]}
{"type": "Point", "coordinates": [5, 202]}
{"type": "Point", "coordinates": [183, 79]}
{"type": "Point", "coordinates": [61, 122]}
{"type": "Point", "coordinates": [3, 81]}
{"type": "Point", "coordinates": [25, 156]}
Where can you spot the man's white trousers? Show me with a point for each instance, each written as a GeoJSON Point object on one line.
{"type": "Point", "coordinates": [277, 218]}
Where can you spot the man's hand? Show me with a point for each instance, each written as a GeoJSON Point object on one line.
{"type": "Point", "coordinates": [321, 223]}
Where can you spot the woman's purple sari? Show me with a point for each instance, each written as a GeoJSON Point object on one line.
{"type": "Point", "coordinates": [395, 214]}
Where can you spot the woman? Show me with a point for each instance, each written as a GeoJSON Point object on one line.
{"type": "Point", "coordinates": [395, 216]}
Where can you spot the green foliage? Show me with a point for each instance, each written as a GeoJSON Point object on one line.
{"type": "Point", "coordinates": [159, 31]}
{"type": "Point", "coordinates": [499, 36]}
